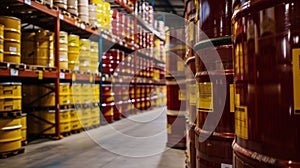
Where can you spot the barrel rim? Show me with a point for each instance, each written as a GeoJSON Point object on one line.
{"type": "Point", "coordinates": [225, 40]}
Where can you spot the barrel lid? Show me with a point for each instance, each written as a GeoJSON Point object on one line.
{"type": "Point", "coordinates": [10, 17]}
{"type": "Point", "coordinates": [73, 35]}
{"type": "Point", "coordinates": [63, 32]}
{"type": "Point", "coordinates": [85, 40]}
{"type": "Point", "coordinates": [11, 83]}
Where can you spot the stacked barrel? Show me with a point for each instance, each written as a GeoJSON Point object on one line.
{"type": "Point", "coordinates": [63, 50]}
{"type": "Point", "coordinates": [266, 57]}
{"type": "Point", "coordinates": [191, 87]}
{"type": "Point", "coordinates": [101, 16]}
{"type": "Point", "coordinates": [83, 10]}
{"type": "Point", "coordinates": [72, 7]}
{"type": "Point", "coordinates": [1, 42]}
{"type": "Point", "coordinates": [107, 103]}
{"type": "Point", "coordinates": [73, 52]}
{"type": "Point", "coordinates": [214, 75]}
{"type": "Point", "coordinates": [12, 39]}
{"type": "Point", "coordinates": [38, 48]}
{"type": "Point", "coordinates": [94, 57]}
{"type": "Point", "coordinates": [84, 55]}
{"type": "Point", "coordinates": [122, 26]}
{"type": "Point", "coordinates": [176, 89]}
{"type": "Point", "coordinates": [11, 134]}
{"type": "Point", "coordinates": [39, 102]}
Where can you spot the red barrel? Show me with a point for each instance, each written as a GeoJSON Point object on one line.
{"type": "Point", "coordinates": [266, 53]}
{"type": "Point", "coordinates": [215, 22]}
{"type": "Point", "coordinates": [176, 129]}
{"type": "Point", "coordinates": [107, 103]}
{"type": "Point", "coordinates": [176, 95]}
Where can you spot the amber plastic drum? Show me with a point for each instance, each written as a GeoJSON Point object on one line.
{"type": "Point", "coordinates": [266, 54]}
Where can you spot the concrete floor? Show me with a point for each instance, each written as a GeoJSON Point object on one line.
{"type": "Point", "coordinates": [135, 142]}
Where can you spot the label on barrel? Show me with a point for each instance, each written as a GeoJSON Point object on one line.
{"type": "Point", "coordinates": [241, 122]}
{"type": "Point", "coordinates": [232, 93]}
{"type": "Point", "coordinates": [296, 79]}
{"type": "Point", "coordinates": [193, 94]}
{"type": "Point", "coordinates": [182, 94]}
{"type": "Point", "coordinates": [205, 97]}
{"type": "Point", "coordinates": [169, 129]}
{"type": "Point", "coordinates": [180, 65]}
{"type": "Point", "coordinates": [223, 165]}
{"type": "Point", "coordinates": [12, 49]}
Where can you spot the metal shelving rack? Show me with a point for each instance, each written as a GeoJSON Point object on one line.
{"type": "Point", "coordinates": [35, 13]}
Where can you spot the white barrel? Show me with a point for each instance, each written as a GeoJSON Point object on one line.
{"type": "Point", "coordinates": [73, 7]}
{"type": "Point", "coordinates": [61, 3]}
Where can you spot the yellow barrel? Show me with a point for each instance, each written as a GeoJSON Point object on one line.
{"type": "Point", "coordinates": [11, 90]}
{"type": "Point", "coordinates": [64, 88]}
{"type": "Point", "coordinates": [63, 50]}
{"type": "Point", "coordinates": [73, 40]}
{"type": "Point", "coordinates": [24, 127]}
{"type": "Point", "coordinates": [10, 134]}
{"type": "Point", "coordinates": [50, 116]}
{"type": "Point", "coordinates": [107, 21]}
{"type": "Point", "coordinates": [12, 38]}
{"type": "Point", "coordinates": [10, 104]}
{"type": "Point", "coordinates": [1, 42]}
{"type": "Point", "coordinates": [73, 52]}
{"type": "Point", "coordinates": [85, 44]}
{"type": "Point", "coordinates": [84, 118]}
{"type": "Point", "coordinates": [38, 48]}
{"type": "Point", "coordinates": [74, 121]}
{"type": "Point", "coordinates": [94, 47]}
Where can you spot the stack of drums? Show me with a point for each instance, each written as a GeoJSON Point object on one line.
{"type": "Point", "coordinates": [266, 54]}
{"type": "Point", "coordinates": [176, 90]}
{"type": "Point", "coordinates": [12, 39]}
{"type": "Point", "coordinates": [10, 135]}
{"type": "Point", "coordinates": [61, 4]}
{"type": "Point", "coordinates": [176, 105]}
{"type": "Point", "coordinates": [93, 14]}
{"type": "Point", "coordinates": [73, 7]}
{"type": "Point", "coordinates": [44, 96]}
{"type": "Point", "coordinates": [63, 50]}
{"type": "Point", "coordinates": [95, 115]}
{"type": "Point", "coordinates": [75, 123]}
{"type": "Point", "coordinates": [190, 16]}
{"type": "Point", "coordinates": [118, 98]}
{"type": "Point", "coordinates": [99, 12]}
{"type": "Point", "coordinates": [84, 55]}
{"type": "Point", "coordinates": [73, 52]}
{"type": "Point", "coordinates": [83, 8]}
{"type": "Point", "coordinates": [107, 103]}
{"type": "Point", "coordinates": [38, 48]}
{"type": "Point", "coordinates": [94, 54]}
{"type": "Point", "coordinates": [115, 59]}
{"type": "Point", "coordinates": [215, 84]}
{"type": "Point", "coordinates": [46, 125]}
{"type": "Point", "coordinates": [1, 42]}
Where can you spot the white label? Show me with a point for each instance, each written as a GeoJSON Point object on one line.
{"type": "Point", "coordinates": [27, 2]}
{"type": "Point", "coordinates": [86, 63]}
{"type": "Point", "coordinates": [223, 165]}
{"type": "Point", "coordinates": [61, 16]}
{"type": "Point", "coordinates": [12, 49]}
{"type": "Point", "coordinates": [76, 68]}
{"type": "Point", "coordinates": [63, 58]}
{"type": "Point", "coordinates": [14, 72]}
{"type": "Point", "coordinates": [82, 26]}
{"type": "Point", "coordinates": [62, 75]}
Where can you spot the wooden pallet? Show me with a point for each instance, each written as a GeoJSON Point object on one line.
{"type": "Point", "coordinates": [10, 114]}
{"type": "Point", "coordinates": [77, 131]}
{"type": "Point", "coordinates": [24, 143]}
{"type": "Point", "coordinates": [41, 68]}
{"type": "Point", "coordinates": [7, 65]}
{"type": "Point", "coordinates": [4, 155]}
{"type": "Point", "coordinates": [65, 70]}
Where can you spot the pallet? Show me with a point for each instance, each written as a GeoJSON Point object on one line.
{"type": "Point", "coordinates": [41, 68]}
{"type": "Point", "coordinates": [65, 70]}
{"type": "Point", "coordinates": [77, 131]}
{"type": "Point", "coordinates": [4, 155]}
{"type": "Point", "coordinates": [24, 143]}
{"type": "Point", "coordinates": [10, 114]}
{"type": "Point", "coordinates": [66, 134]}
{"type": "Point", "coordinates": [7, 65]}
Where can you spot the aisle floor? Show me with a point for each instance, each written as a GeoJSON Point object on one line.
{"type": "Point", "coordinates": [135, 142]}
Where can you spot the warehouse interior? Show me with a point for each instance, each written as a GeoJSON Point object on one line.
{"type": "Point", "coordinates": [146, 83]}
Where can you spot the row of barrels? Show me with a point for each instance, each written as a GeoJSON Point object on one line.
{"type": "Point", "coordinates": [245, 67]}
{"type": "Point", "coordinates": [121, 100]}
{"type": "Point", "coordinates": [13, 127]}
